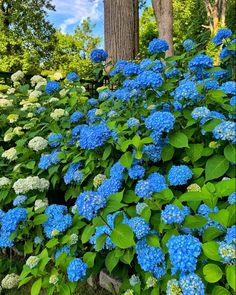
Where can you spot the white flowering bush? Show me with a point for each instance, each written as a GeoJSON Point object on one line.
{"type": "Point", "coordinates": [139, 181]}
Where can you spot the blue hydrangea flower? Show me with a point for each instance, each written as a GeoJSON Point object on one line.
{"type": "Point", "coordinates": [231, 235]}
{"type": "Point", "coordinates": [174, 72]}
{"type": "Point", "coordinates": [160, 121]}
{"type": "Point", "coordinates": [189, 44]}
{"type": "Point", "coordinates": [229, 87]}
{"type": "Point", "coordinates": [94, 136]}
{"type": "Point", "coordinates": [38, 240]}
{"type": "Point", "coordinates": [233, 101]}
{"type": "Point", "coordinates": [227, 252]}
{"type": "Point", "coordinates": [139, 227]}
{"type": "Point", "coordinates": [19, 201]}
{"type": "Point", "coordinates": [92, 101]}
{"type": "Point", "coordinates": [72, 76]}
{"type": "Point", "coordinates": [200, 112]}
{"type": "Point", "coordinates": [73, 174]}
{"type": "Point", "coordinates": [135, 172]}
{"type": "Point", "coordinates": [116, 171]}
{"type": "Point", "coordinates": [191, 284]}
{"type": "Point", "coordinates": [153, 65]}
{"type": "Point", "coordinates": [143, 189]}
{"type": "Point", "coordinates": [204, 210]}
{"type": "Point", "coordinates": [58, 220]}
{"type": "Point", "coordinates": [221, 34]}
{"type": "Point", "coordinates": [100, 230]}
{"type": "Point", "coordinates": [52, 86]}
{"type": "Point", "coordinates": [130, 69]}
{"type": "Point", "coordinates": [158, 45]}
{"type": "Point", "coordinates": [153, 152]}
{"type": "Point", "coordinates": [98, 55]}
{"type": "Point", "coordinates": [76, 116]}
{"type": "Point", "coordinates": [186, 90]}
{"type": "Point", "coordinates": [225, 131]}
{"type": "Point", "coordinates": [54, 139]}
{"type": "Point", "coordinates": [9, 223]}
{"type": "Point", "coordinates": [232, 198]}
{"type": "Point", "coordinates": [89, 203]}
{"type": "Point", "coordinates": [199, 62]}
{"type": "Point", "coordinates": [224, 53]}
{"type": "Point", "coordinates": [150, 258]}
{"type": "Point", "coordinates": [210, 85]}
{"type": "Point", "coordinates": [47, 160]}
{"type": "Point", "coordinates": [148, 79]}
{"type": "Point", "coordinates": [40, 110]}
{"type": "Point", "coordinates": [183, 251]}
{"type": "Point", "coordinates": [133, 122]}
{"type": "Point", "coordinates": [112, 114]}
{"type": "Point", "coordinates": [76, 270]}
{"type": "Point", "coordinates": [179, 175]}
{"type": "Point", "coordinates": [173, 214]}
{"type": "Point", "coordinates": [118, 67]}
{"type": "Point", "coordinates": [157, 182]}
{"type": "Point", "coordinates": [109, 186]}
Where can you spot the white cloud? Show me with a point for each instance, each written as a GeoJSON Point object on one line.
{"type": "Point", "coordinates": [75, 11]}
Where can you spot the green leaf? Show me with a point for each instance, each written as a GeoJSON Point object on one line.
{"type": "Point", "coordinates": [195, 151]}
{"type": "Point", "coordinates": [146, 214]}
{"type": "Point", "coordinates": [130, 197]}
{"type": "Point", "coordinates": [210, 249]}
{"type": "Point", "coordinates": [36, 287]}
{"type": "Point", "coordinates": [52, 243]}
{"type": "Point", "coordinates": [194, 196]}
{"type": "Point", "coordinates": [111, 261]}
{"type": "Point", "coordinates": [126, 159]}
{"type": "Point", "coordinates": [211, 233]}
{"type": "Point", "coordinates": [230, 153]}
{"type": "Point", "coordinates": [153, 240]}
{"type": "Point", "coordinates": [210, 125]}
{"type": "Point", "coordinates": [87, 233]}
{"type": "Point", "coordinates": [216, 167]}
{"type": "Point", "coordinates": [28, 247]}
{"type": "Point", "coordinates": [194, 221]}
{"type": "Point", "coordinates": [218, 290]}
{"type": "Point", "coordinates": [64, 289]}
{"type": "Point", "coordinates": [167, 153]}
{"type": "Point", "coordinates": [122, 236]}
{"type": "Point", "coordinates": [178, 140]}
{"type": "Point", "coordinates": [89, 258]}
{"type": "Point", "coordinates": [106, 152]}
{"type": "Point", "coordinates": [128, 256]}
{"type": "Point", "coordinates": [40, 219]}
{"type": "Point", "coordinates": [221, 216]}
{"type": "Point", "coordinates": [24, 281]}
{"type": "Point", "coordinates": [231, 276]}
{"type": "Point", "coordinates": [100, 241]}
{"type": "Point", "coordinates": [225, 187]}
{"type": "Point", "coordinates": [212, 273]}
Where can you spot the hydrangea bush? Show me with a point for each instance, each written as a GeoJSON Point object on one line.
{"type": "Point", "coordinates": [139, 181]}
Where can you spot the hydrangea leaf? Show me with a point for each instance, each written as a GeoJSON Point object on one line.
{"type": "Point", "coordinates": [212, 273]}
{"type": "Point", "coordinates": [122, 236]}
{"type": "Point", "coordinates": [216, 166]}
{"type": "Point", "coordinates": [210, 249]}
{"type": "Point", "coordinates": [126, 159]}
{"type": "Point", "coordinates": [111, 261]}
{"type": "Point", "coordinates": [230, 153]}
{"type": "Point", "coordinates": [231, 276]}
{"type": "Point", "coordinates": [178, 140]}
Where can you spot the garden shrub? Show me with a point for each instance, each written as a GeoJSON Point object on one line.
{"type": "Point", "coordinates": [140, 181]}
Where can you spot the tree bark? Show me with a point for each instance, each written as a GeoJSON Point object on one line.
{"type": "Point", "coordinates": [163, 10]}
{"type": "Point", "coordinates": [121, 29]}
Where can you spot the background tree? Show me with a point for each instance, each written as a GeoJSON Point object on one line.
{"type": "Point", "coordinates": [121, 28]}
{"type": "Point", "coordinates": [26, 36]}
{"type": "Point", "coordinates": [163, 10]}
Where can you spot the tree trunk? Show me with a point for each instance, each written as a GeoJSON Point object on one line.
{"type": "Point", "coordinates": [163, 10]}
{"type": "Point", "coordinates": [121, 29]}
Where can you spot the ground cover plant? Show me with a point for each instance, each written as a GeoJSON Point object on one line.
{"type": "Point", "coordinates": [139, 181]}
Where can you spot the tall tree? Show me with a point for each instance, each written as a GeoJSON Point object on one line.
{"type": "Point", "coordinates": [26, 36]}
{"type": "Point", "coordinates": [164, 14]}
{"type": "Point", "coordinates": [216, 12]}
{"type": "Point", "coordinates": [121, 28]}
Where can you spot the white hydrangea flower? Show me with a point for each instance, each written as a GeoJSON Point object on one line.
{"type": "Point", "coordinates": [24, 185]}
{"type": "Point", "coordinates": [63, 92]}
{"type": "Point", "coordinates": [56, 76]}
{"type": "Point", "coordinates": [8, 136]}
{"type": "Point", "coordinates": [30, 115]}
{"type": "Point", "coordinates": [13, 118]}
{"type": "Point", "coordinates": [36, 79]}
{"type": "Point", "coordinates": [10, 281]}
{"type": "Point", "coordinates": [53, 99]}
{"type": "Point", "coordinates": [35, 94]}
{"type": "Point", "coordinates": [18, 130]}
{"type": "Point", "coordinates": [83, 89]}
{"type": "Point", "coordinates": [37, 143]}
{"type": "Point", "coordinates": [73, 239]}
{"type": "Point", "coordinates": [4, 181]}
{"type": "Point", "coordinates": [40, 84]}
{"type": "Point", "coordinates": [32, 261]}
{"type": "Point", "coordinates": [5, 103]}
{"type": "Point", "coordinates": [38, 204]}
{"type": "Point", "coordinates": [17, 76]}
{"type": "Point", "coordinates": [58, 113]}
{"type": "Point", "coordinates": [10, 154]}
{"type": "Point", "coordinates": [11, 91]}
{"type": "Point", "coordinates": [53, 279]}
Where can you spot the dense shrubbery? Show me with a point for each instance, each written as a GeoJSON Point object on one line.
{"type": "Point", "coordinates": [139, 181]}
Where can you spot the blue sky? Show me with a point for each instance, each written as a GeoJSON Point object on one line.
{"type": "Point", "coordinates": [70, 13]}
